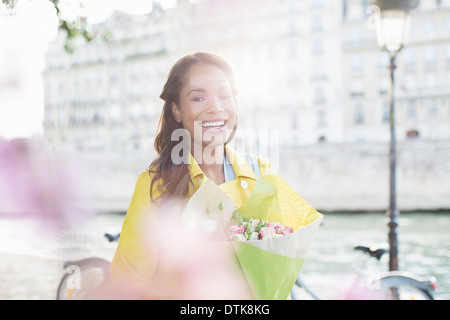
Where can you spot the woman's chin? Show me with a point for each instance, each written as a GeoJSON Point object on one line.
{"type": "Point", "coordinates": [211, 139]}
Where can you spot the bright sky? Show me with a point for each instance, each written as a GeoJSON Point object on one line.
{"type": "Point", "coordinates": [24, 38]}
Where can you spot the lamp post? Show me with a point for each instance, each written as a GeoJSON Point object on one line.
{"type": "Point", "coordinates": [392, 20]}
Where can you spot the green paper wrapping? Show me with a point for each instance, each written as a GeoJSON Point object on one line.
{"type": "Point", "coordinates": [270, 266]}
{"type": "Point", "coordinates": [270, 276]}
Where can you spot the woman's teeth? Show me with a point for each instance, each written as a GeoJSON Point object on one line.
{"type": "Point", "coordinates": [213, 124]}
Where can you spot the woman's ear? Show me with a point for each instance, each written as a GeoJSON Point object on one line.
{"type": "Point", "coordinates": [176, 112]}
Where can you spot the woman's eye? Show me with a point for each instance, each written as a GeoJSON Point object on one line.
{"type": "Point", "coordinates": [198, 99]}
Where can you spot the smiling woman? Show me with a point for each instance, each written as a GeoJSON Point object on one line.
{"type": "Point", "coordinates": [199, 100]}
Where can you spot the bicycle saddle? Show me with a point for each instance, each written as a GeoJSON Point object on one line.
{"type": "Point", "coordinates": [376, 253]}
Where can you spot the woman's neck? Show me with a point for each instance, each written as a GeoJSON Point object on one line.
{"type": "Point", "coordinates": [210, 160]}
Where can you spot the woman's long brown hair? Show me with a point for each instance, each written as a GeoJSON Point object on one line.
{"type": "Point", "coordinates": [172, 180]}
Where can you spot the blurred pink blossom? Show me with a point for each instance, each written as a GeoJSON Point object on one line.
{"type": "Point", "coordinates": [33, 185]}
{"type": "Point", "coordinates": [189, 267]}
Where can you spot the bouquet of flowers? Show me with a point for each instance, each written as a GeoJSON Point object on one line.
{"type": "Point", "coordinates": [270, 233]}
{"type": "Point", "coordinates": [255, 229]}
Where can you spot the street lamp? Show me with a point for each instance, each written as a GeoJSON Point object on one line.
{"type": "Point", "coordinates": [392, 20]}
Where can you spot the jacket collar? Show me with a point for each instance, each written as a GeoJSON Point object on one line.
{"type": "Point", "coordinates": [240, 166]}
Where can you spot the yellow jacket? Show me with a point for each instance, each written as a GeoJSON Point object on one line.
{"type": "Point", "coordinates": [131, 258]}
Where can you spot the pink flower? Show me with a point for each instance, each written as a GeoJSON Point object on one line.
{"type": "Point", "coordinates": [236, 229]}
{"type": "Point", "coordinates": [267, 232]}
{"type": "Point", "coordinates": [286, 230]}
{"type": "Point", "coordinates": [275, 225]}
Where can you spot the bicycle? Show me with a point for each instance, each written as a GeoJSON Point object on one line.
{"type": "Point", "coordinates": [388, 285]}
{"type": "Point", "coordinates": [391, 285]}
{"type": "Point", "coordinates": [84, 276]}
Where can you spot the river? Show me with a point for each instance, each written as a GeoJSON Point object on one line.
{"type": "Point", "coordinates": [32, 253]}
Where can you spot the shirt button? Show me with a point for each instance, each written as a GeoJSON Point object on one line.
{"type": "Point", "coordinates": [244, 184]}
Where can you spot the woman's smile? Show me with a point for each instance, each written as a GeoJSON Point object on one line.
{"type": "Point", "coordinates": [214, 125]}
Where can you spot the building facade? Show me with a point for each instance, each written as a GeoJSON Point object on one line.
{"type": "Point", "coordinates": [422, 76]}
{"type": "Point", "coordinates": [309, 69]}
{"type": "Point", "coordinates": [105, 95]}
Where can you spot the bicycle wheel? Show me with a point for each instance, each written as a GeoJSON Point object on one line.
{"type": "Point", "coordinates": [401, 286]}
{"type": "Point", "coordinates": [82, 278]}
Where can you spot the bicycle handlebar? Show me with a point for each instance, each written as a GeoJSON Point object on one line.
{"type": "Point", "coordinates": [111, 237]}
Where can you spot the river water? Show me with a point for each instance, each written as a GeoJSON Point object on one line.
{"type": "Point", "coordinates": [424, 250]}
{"type": "Point", "coordinates": [32, 253]}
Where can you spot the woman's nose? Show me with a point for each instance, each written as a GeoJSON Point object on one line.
{"type": "Point", "coordinates": [215, 105]}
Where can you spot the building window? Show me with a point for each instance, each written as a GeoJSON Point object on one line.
{"type": "Point", "coordinates": [432, 108]}
{"type": "Point", "coordinates": [292, 28]}
{"type": "Point", "coordinates": [319, 96]}
{"type": "Point", "coordinates": [355, 37]}
{"type": "Point", "coordinates": [135, 112]}
{"type": "Point", "coordinates": [385, 113]}
{"type": "Point", "coordinates": [354, 10]}
{"type": "Point", "coordinates": [359, 115]}
{"type": "Point", "coordinates": [321, 119]}
{"type": "Point", "coordinates": [316, 4]}
{"type": "Point", "coordinates": [430, 54]}
{"type": "Point", "coordinates": [318, 72]}
{"type": "Point", "coordinates": [445, 3]}
{"type": "Point", "coordinates": [114, 93]}
{"type": "Point", "coordinates": [383, 86]}
{"type": "Point", "coordinates": [294, 121]}
{"type": "Point", "coordinates": [317, 47]}
{"type": "Point", "coordinates": [409, 82]}
{"type": "Point", "coordinates": [427, 5]}
{"type": "Point", "coordinates": [316, 25]}
{"type": "Point", "coordinates": [113, 75]}
{"type": "Point", "coordinates": [293, 51]}
{"type": "Point", "coordinates": [431, 80]}
{"type": "Point", "coordinates": [429, 27]}
{"type": "Point", "coordinates": [357, 89]}
{"type": "Point", "coordinates": [383, 59]}
{"type": "Point", "coordinates": [408, 57]}
{"type": "Point", "coordinates": [412, 134]}
{"type": "Point", "coordinates": [411, 110]}
{"type": "Point", "coordinates": [356, 62]}
{"type": "Point", "coordinates": [115, 113]}
{"type": "Point", "coordinates": [447, 51]}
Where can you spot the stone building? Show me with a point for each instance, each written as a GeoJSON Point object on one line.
{"type": "Point", "coordinates": [422, 76]}
{"type": "Point", "coordinates": [308, 69]}
{"type": "Point", "coordinates": [286, 55]}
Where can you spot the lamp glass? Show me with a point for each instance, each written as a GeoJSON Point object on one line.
{"type": "Point", "coordinates": [392, 28]}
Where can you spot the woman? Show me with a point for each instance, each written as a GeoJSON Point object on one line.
{"type": "Point", "coordinates": [200, 99]}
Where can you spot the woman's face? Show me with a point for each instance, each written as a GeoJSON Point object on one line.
{"type": "Point", "coordinates": [207, 105]}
